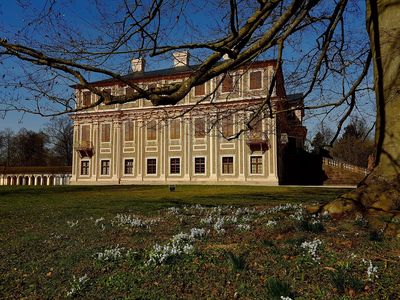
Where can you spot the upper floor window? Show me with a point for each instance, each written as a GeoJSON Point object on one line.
{"type": "Point", "coordinates": [85, 134]}
{"type": "Point", "coordinates": [107, 91]}
{"type": "Point", "coordinates": [129, 92]}
{"type": "Point", "coordinates": [151, 130]}
{"type": "Point", "coordinates": [227, 126]}
{"type": "Point", "coordinates": [255, 80]}
{"type": "Point", "coordinates": [175, 129]}
{"type": "Point", "coordinates": [128, 131]}
{"type": "Point", "coordinates": [105, 167]}
{"type": "Point", "coordinates": [86, 98]}
{"type": "Point", "coordinates": [199, 128]}
{"type": "Point", "coordinates": [227, 84]}
{"type": "Point", "coordinates": [105, 133]}
{"type": "Point", "coordinates": [200, 90]}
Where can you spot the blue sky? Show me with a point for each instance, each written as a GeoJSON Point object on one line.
{"type": "Point", "coordinates": [12, 17]}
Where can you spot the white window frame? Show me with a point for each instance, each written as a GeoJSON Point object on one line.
{"type": "Point", "coordinates": [109, 168]}
{"type": "Point", "coordinates": [205, 165]}
{"type": "Point", "coordinates": [235, 84]}
{"type": "Point", "coordinates": [180, 129]}
{"type": "Point", "coordinates": [156, 139]}
{"type": "Point", "coordinates": [262, 165]}
{"type": "Point", "coordinates": [81, 131]}
{"type": "Point", "coordinates": [134, 128]}
{"type": "Point", "coordinates": [180, 166]}
{"type": "Point", "coordinates": [233, 165]}
{"type": "Point", "coordinates": [80, 168]}
{"type": "Point", "coordinates": [152, 174]}
{"type": "Point", "coordinates": [262, 79]}
{"type": "Point", "coordinates": [194, 128]}
{"type": "Point", "coordinates": [101, 132]}
{"type": "Point", "coordinates": [133, 166]}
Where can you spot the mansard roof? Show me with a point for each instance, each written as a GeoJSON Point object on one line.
{"type": "Point", "coordinates": [169, 73]}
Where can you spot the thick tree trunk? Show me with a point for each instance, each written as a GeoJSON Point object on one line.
{"type": "Point", "coordinates": [383, 25]}
{"type": "Point", "coordinates": [378, 196]}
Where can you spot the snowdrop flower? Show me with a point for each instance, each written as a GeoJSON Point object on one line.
{"type": "Point", "coordinates": [311, 248]}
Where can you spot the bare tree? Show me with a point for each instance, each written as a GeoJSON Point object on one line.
{"type": "Point", "coordinates": [243, 31]}
{"type": "Point", "coordinates": [60, 134]}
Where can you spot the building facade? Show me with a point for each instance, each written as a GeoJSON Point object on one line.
{"type": "Point", "coordinates": [205, 138]}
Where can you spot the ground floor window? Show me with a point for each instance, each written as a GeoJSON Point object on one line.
{"type": "Point", "coordinates": [256, 164]}
{"type": "Point", "coordinates": [105, 167]}
{"type": "Point", "coordinates": [84, 167]}
{"type": "Point", "coordinates": [199, 165]}
{"type": "Point", "coordinates": [227, 165]}
{"type": "Point", "coordinates": [128, 168]}
{"type": "Point", "coordinates": [151, 166]}
{"type": "Point", "coordinates": [175, 165]}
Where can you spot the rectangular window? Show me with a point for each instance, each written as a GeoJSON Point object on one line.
{"type": "Point", "coordinates": [128, 168]}
{"type": "Point", "coordinates": [255, 80]}
{"type": "Point", "coordinates": [200, 90]}
{"type": "Point", "coordinates": [227, 165]}
{"type": "Point", "coordinates": [151, 166]}
{"type": "Point", "coordinates": [105, 167]}
{"type": "Point", "coordinates": [256, 165]}
{"type": "Point", "coordinates": [175, 165]}
{"type": "Point", "coordinates": [129, 129]}
{"type": "Point", "coordinates": [86, 98]}
{"type": "Point", "coordinates": [227, 126]}
{"type": "Point", "coordinates": [105, 133]}
{"type": "Point", "coordinates": [199, 165]}
{"type": "Point", "coordinates": [227, 84]}
{"type": "Point", "coordinates": [85, 137]}
{"type": "Point", "coordinates": [175, 129]}
{"type": "Point", "coordinates": [85, 167]}
{"type": "Point", "coordinates": [151, 131]}
{"type": "Point", "coordinates": [199, 128]}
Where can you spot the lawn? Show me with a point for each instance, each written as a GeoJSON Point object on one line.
{"type": "Point", "coordinates": [218, 242]}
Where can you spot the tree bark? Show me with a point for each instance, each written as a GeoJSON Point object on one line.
{"type": "Point", "coordinates": [383, 27]}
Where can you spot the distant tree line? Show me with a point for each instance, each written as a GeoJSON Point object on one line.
{"type": "Point", "coordinates": [51, 146]}
{"type": "Point", "coordinates": [354, 146]}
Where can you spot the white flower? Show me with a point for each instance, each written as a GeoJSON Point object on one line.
{"type": "Point", "coordinates": [311, 248]}
{"type": "Point", "coordinates": [371, 270]}
{"type": "Point", "coordinates": [110, 254]}
{"type": "Point", "coordinates": [244, 227]}
{"type": "Point", "coordinates": [72, 223]}
{"type": "Point", "coordinates": [77, 285]}
{"type": "Point", "coordinates": [271, 223]}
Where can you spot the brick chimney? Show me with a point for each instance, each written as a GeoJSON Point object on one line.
{"type": "Point", "coordinates": [138, 64]}
{"type": "Point", "coordinates": [181, 58]}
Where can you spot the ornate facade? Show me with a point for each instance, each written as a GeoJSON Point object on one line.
{"type": "Point", "coordinates": [194, 141]}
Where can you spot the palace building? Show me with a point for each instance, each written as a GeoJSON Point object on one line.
{"type": "Point", "coordinates": [194, 141]}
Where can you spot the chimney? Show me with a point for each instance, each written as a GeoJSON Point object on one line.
{"type": "Point", "coordinates": [225, 56]}
{"type": "Point", "coordinates": [138, 64]}
{"type": "Point", "coordinates": [181, 58]}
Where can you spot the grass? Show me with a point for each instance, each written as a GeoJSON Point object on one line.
{"type": "Point", "coordinates": [144, 242]}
